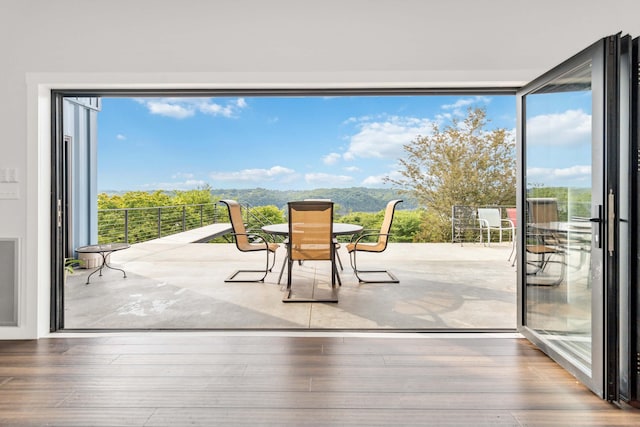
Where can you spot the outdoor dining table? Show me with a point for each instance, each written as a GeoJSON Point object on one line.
{"type": "Point", "coordinates": [338, 229]}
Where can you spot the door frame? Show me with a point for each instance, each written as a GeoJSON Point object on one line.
{"type": "Point", "coordinates": [606, 95]}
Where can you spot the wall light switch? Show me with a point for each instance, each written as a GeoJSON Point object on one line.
{"type": "Point", "coordinates": [9, 191]}
{"type": "Point", "coordinates": [8, 174]}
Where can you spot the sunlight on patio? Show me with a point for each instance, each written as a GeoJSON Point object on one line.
{"type": "Point", "coordinates": [181, 286]}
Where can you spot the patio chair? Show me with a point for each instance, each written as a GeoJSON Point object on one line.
{"type": "Point", "coordinates": [247, 241]}
{"type": "Point", "coordinates": [360, 245]}
{"type": "Point", "coordinates": [335, 240]}
{"type": "Point", "coordinates": [490, 219]}
{"type": "Point", "coordinates": [541, 242]}
{"type": "Point", "coordinates": [311, 239]}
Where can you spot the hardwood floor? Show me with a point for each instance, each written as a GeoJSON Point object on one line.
{"type": "Point", "coordinates": [158, 379]}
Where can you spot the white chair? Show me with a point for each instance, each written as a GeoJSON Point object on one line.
{"type": "Point", "coordinates": [490, 219]}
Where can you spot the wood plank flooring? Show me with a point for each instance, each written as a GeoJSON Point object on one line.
{"type": "Point", "coordinates": [158, 379]}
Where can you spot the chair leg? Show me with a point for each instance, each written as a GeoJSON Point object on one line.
{"type": "Point", "coordinates": [354, 265]}
{"type": "Point", "coordinates": [284, 262]}
{"type": "Point", "coordinates": [544, 261]}
{"type": "Point", "coordinates": [290, 297]}
{"type": "Point", "coordinates": [232, 277]}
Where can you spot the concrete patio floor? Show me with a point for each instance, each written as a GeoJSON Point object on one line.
{"type": "Point", "coordinates": [181, 286]}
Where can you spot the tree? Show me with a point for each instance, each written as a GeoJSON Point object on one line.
{"type": "Point", "coordinates": [460, 164]}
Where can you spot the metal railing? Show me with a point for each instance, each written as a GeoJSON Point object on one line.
{"type": "Point", "coordinates": [134, 225]}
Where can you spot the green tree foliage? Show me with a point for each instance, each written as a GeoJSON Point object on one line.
{"type": "Point", "coordinates": [572, 202]}
{"type": "Point", "coordinates": [167, 213]}
{"type": "Point", "coordinates": [261, 215]}
{"type": "Point", "coordinates": [354, 199]}
{"type": "Point", "coordinates": [193, 197]}
{"type": "Point", "coordinates": [462, 163]}
{"type": "Point", "coordinates": [406, 226]}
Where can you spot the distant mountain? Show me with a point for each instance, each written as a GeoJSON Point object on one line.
{"type": "Point", "coordinates": [354, 199]}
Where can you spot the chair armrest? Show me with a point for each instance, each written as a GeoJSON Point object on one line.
{"type": "Point", "coordinates": [264, 236]}
{"type": "Point", "coordinates": [367, 232]}
{"type": "Point", "coordinates": [254, 235]}
{"type": "Point", "coordinates": [361, 236]}
{"type": "Point", "coordinates": [508, 221]}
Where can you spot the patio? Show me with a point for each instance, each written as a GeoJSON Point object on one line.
{"type": "Point", "coordinates": [181, 286]}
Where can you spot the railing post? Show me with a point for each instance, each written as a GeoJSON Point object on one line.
{"type": "Point", "coordinates": [184, 218]}
{"type": "Point", "coordinates": [201, 212]}
{"type": "Point", "coordinates": [159, 223]}
{"type": "Point", "coordinates": [126, 225]}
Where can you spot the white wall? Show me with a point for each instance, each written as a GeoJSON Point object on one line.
{"type": "Point", "coordinates": [48, 44]}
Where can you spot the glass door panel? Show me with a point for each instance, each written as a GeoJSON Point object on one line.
{"type": "Point", "coordinates": [562, 204]}
{"type": "Point", "coordinates": [558, 208]}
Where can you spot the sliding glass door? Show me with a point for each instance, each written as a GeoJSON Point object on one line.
{"type": "Point", "coordinates": [571, 147]}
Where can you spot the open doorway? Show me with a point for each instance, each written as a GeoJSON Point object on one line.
{"type": "Point", "coordinates": [150, 166]}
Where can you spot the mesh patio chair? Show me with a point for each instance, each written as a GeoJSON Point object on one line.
{"type": "Point", "coordinates": [335, 241]}
{"type": "Point", "coordinates": [311, 239]}
{"type": "Point", "coordinates": [542, 242]}
{"type": "Point", "coordinates": [382, 238]}
{"type": "Point", "coordinates": [247, 241]}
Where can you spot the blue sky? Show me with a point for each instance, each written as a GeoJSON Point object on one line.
{"type": "Point", "coordinates": [269, 142]}
{"type": "Point", "coordinates": [559, 131]}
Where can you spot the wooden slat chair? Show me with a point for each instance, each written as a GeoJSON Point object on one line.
{"type": "Point", "coordinates": [311, 239]}
{"type": "Point", "coordinates": [247, 241]}
{"type": "Point", "coordinates": [361, 245]}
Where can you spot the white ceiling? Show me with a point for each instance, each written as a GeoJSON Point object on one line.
{"type": "Point", "coordinates": [427, 42]}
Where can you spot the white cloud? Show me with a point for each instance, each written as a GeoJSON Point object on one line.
{"type": "Point", "coordinates": [379, 180]}
{"type": "Point", "coordinates": [575, 173]}
{"type": "Point", "coordinates": [381, 139]}
{"type": "Point", "coordinates": [465, 102]}
{"type": "Point", "coordinates": [325, 179]}
{"type": "Point", "coordinates": [189, 184]}
{"type": "Point", "coordinates": [331, 158]}
{"type": "Point", "coordinates": [253, 175]}
{"type": "Point", "coordinates": [120, 137]}
{"type": "Point", "coordinates": [167, 109]}
{"type": "Point", "coordinates": [571, 127]}
{"type": "Point", "coordinates": [180, 108]}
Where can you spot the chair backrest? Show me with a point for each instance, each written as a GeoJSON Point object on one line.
{"type": "Point", "coordinates": [311, 230]}
{"type": "Point", "coordinates": [491, 216]}
{"type": "Point", "coordinates": [542, 210]}
{"type": "Point", "coordinates": [385, 228]}
{"type": "Point", "coordinates": [512, 214]}
{"type": "Point", "coordinates": [235, 216]}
